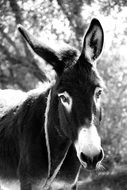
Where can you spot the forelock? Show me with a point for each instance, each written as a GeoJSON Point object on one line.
{"type": "Point", "coordinates": [68, 56]}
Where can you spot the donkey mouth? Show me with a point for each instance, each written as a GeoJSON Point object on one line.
{"type": "Point", "coordinates": [91, 162]}
{"type": "Point", "coordinates": [89, 167]}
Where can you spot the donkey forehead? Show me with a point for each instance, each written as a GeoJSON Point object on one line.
{"type": "Point", "coordinates": [68, 55]}
{"type": "Point", "coordinates": [83, 80]}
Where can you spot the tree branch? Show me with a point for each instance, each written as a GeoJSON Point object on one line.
{"type": "Point", "coordinates": [12, 43]}
{"type": "Point", "coordinates": [16, 10]}
{"type": "Point", "coordinates": [18, 17]}
{"type": "Point", "coordinates": [72, 10]}
{"type": "Point", "coordinates": [32, 66]}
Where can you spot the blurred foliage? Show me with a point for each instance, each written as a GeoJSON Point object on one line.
{"type": "Point", "coordinates": [109, 182]}
{"type": "Point", "coordinates": [66, 20]}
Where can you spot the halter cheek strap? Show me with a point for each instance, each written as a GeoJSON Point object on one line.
{"type": "Point", "coordinates": [57, 147]}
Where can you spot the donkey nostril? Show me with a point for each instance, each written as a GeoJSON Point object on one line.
{"type": "Point", "coordinates": [92, 161]}
{"type": "Point", "coordinates": [99, 157]}
{"type": "Point", "coordinates": [84, 158]}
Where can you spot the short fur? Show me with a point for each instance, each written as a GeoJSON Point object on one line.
{"type": "Point", "coordinates": [36, 134]}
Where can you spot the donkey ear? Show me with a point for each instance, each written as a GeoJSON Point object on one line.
{"type": "Point", "coordinates": [93, 41]}
{"type": "Point", "coordinates": [48, 54]}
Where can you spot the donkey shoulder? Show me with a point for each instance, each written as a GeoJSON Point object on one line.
{"type": "Point", "coordinates": [17, 107]}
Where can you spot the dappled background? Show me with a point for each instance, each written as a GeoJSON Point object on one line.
{"type": "Point", "coordinates": [67, 20]}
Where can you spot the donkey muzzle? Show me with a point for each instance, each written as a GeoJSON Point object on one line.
{"type": "Point", "coordinates": [88, 147]}
{"type": "Point", "coordinates": [91, 162]}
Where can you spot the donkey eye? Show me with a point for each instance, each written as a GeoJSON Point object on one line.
{"type": "Point", "coordinates": [98, 92]}
{"type": "Point", "coordinates": [63, 98]}
{"type": "Point", "coordinates": [66, 100]}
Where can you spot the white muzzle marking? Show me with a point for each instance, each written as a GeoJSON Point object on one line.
{"type": "Point", "coordinates": [88, 142]}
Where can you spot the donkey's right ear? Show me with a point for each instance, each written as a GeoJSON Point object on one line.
{"type": "Point", "coordinates": [41, 49]}
{"type": "Point", "coordinates": [93, 41]}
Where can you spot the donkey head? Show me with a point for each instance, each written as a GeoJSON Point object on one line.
{"type": "Point", "coordinates": [76, 93]}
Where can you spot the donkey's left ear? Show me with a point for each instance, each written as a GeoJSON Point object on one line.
{"type": "Point", "coordinates": [93, 41]}
{"type": "Point", "coordinates": [44, 51]}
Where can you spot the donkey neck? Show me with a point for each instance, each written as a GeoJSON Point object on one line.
{"type": "Point", "coordinates": [57, 145]}
{"type": "Point", "coordinates": [52, 121]}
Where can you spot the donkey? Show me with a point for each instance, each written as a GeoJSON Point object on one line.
{"type": "Point", "coordinates": [48, 135]}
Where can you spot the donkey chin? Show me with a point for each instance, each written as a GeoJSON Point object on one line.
{"type": "Point", "coordinates": [88, 148]}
